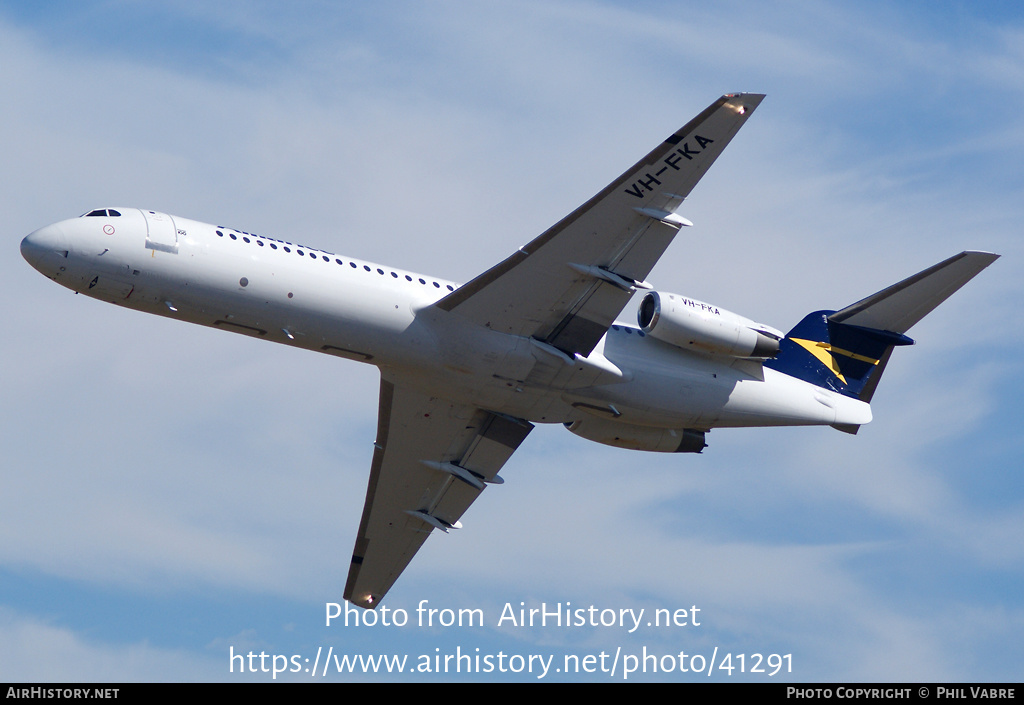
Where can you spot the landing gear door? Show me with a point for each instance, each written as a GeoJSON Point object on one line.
{"type": "Point", "coordinates": [160, 232]}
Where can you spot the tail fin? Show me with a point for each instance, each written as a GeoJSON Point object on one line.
{"type": "Point", "coordinates": [847, 351]}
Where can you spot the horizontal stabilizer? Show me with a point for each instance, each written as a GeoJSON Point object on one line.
{"type": "Point", "coordinates": [900, 306]}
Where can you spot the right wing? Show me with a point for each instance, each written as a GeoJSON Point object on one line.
{"type": "Point", "coordinates": [431, 459]}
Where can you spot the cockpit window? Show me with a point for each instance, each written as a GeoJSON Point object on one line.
{"type": "Point", "coordinates": [102, 213]}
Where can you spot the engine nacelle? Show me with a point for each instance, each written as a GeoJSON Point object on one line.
{"type": "Point", "coordinates": [633, 437]}
{"type": "Point", "coordinates": [690, 324]}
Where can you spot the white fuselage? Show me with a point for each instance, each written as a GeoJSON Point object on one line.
{"type": "Point", "coordinates": [316, 300]}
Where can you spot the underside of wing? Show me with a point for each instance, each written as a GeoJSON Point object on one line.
{"type": "Point", "coordinates": [567, 286]}
{"type": "Point", "coordinates": [431, 459]}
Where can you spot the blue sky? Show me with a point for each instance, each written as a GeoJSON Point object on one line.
{"type": "Point", "coordinates": [171, 492]}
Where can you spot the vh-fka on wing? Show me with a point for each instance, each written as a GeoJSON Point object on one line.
{"type": "Point", "coordinates": [466, 371]}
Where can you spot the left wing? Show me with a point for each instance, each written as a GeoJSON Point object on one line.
{"type": "Point", "coordinates": [567, 286]}
{"type": "Point", "coordinates": [431, 459]}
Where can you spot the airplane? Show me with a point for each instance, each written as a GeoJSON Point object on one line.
{"type": "Point", "coordinates": [468, 370]}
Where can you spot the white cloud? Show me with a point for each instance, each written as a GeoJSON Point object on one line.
{"type": "Point", "coordinates": [36, 652]}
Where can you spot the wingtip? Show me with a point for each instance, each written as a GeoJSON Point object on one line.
{"type": "Point", "coordinates": [990, 256]}
{"type": "Point", "coordinates": [743, 103]}
{"type": "Point", "coordinates": [749, 97]}
{"type": "Point", "coordinates": [367, 601]}
{"type": "Point", "coordinates": [979, 259]}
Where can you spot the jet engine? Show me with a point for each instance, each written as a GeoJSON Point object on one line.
{"type": "Point", "coordinates": [634, 437]}
{"type": "Point", "coordinates": [690, 324]}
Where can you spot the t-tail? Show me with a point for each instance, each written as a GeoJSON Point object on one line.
{"type": "Point", "coordinates": [847, 351]}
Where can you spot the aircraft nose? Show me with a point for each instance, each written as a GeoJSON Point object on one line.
{"type": "Point", "coordinates": [45, 248]}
